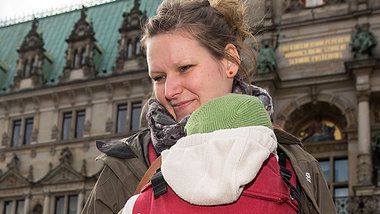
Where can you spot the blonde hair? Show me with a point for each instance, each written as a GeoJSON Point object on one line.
{"type": "Point", "coordinates": [213, 25]}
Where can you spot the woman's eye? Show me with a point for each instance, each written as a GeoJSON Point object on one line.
{"type": "Point", "coordinates": [185, 68]}
{"type": "Point", "coordinates": [158, 78]}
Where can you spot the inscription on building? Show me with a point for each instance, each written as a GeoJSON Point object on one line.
{"type": "Point", "coordinates": [315, 50]}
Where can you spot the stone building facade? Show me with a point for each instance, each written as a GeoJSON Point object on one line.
{"type": "Point", "coordinates": [67, 81]}
{"type": "Point", "coordinates": [71, 79]}
{"type": "Point", "coordinates": [326, 90]}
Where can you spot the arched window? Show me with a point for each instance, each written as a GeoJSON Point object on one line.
{"type": "Point", "coordinates": [137, 47]}
{"type": "Point", "coordinates": [75, 59]}
{"type": "Point", "coordinates": [83, 56]}
{"type": "Point", "coordinates": [319, 129]}
{"type": "Point", "coordinates": [26, 68]}
{"type": "Point", "coordinates": [32, 66]}
{"type": "Point", "coordinates": [129, 49]}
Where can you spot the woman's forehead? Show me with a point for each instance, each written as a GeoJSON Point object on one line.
{"type": "Point", "coordinates": [174, 47]}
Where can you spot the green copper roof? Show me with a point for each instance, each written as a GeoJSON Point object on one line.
{"type": "Point", "coordinates": [106, 18]}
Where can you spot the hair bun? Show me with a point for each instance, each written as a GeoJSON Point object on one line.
{"type": "Point", "coordinates": [233, 13]}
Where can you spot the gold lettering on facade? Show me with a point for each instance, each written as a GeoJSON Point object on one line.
{"type": "Point", "coordinates": [315, 51]}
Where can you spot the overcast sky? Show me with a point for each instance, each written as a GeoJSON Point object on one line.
{"type": "Point", "coordinates": [11, 9]}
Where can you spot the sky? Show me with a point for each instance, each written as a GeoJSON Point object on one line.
{"type": "Point", "coordinates": [13, 9]}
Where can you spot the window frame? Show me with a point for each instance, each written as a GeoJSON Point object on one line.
{"type": "Point", "coordinates": [129, 49]}
{"type": "Point", "coordinates": [73, 123]}
{"type": "Point", "coordinates": [21, 141]}
{"type": "Point", "coordinates": [26, 68]}
{"type": "Point", "coordinates": [332, 184]}
{"type": "Point", "coordinates": [82, 56]}
{"type": "Point", "coordinates": [66, 201]}
{"type": "Point", "coordinates": [131, 128]}
{"type": "Point", "coordinates": [75, 58]}
{"type": "Point", "coordinates": [14, 206]}
{"type": "Point", "coordinates": [128, 121]}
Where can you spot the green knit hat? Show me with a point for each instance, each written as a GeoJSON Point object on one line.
{"type": "Point", "coordinates": [229, 111]}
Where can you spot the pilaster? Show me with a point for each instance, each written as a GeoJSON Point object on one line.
{"type": "Point", "coordinates": [361, 70]}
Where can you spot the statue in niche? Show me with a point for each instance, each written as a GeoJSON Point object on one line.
{"type": "Point", "coordinates": [362, 42]}
{"type": "Point", "coordinates": [318, 131]}
{"type": "Point", "coordinates": [266, 61]}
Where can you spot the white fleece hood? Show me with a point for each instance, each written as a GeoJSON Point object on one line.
{"type": "Point", "coordinates": [212, 168]}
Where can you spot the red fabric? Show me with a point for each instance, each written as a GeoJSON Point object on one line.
{"type": "Point", "coordinates": [151, 153]}
{"type": "Point", "coordinates": [267, 193]}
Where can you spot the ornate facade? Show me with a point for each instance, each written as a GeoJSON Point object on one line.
{"type": "Point", "coordinates": [326, 89]}
{"type": "Point", "coordinates": [62, 89]}
{"type": "Point", "coordinates": [71, 79]}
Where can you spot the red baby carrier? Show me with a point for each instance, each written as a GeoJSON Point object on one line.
{"type": "Point", "coordinates": [272, 191]}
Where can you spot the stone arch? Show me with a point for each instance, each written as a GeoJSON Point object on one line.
{"type": "Point", "coordinates": [335, 108]}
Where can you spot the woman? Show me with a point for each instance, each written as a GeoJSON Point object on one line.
{"type": "Point", "coordinates": [227, 163]}
{"type": "Point", "coordinates": [193, 53]}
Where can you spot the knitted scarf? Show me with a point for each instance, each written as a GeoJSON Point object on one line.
{"type": "Point", "coordinates": [165, 131]}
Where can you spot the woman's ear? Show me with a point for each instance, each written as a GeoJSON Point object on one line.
{"type": "Point", "coordinates": [232, 66]}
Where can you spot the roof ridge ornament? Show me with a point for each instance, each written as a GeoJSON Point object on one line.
{"type": "Point", "coordinates": [33, 40]}
{"type": "Point", "coordinates": [133, 19]}
{"type": "Point", "coordinates": [83, 28]}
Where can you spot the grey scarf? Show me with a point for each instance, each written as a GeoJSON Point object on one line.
{"type": "Point", "coordinates": [165, 131]}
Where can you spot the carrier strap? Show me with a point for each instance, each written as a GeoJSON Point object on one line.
{"type": "Point", "coordinates": [159, 184]}
{"type": "Point", "coordinates": [286, 174]}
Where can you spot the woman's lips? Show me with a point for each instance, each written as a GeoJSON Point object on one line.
{"type": "Point", "coordinates": [178, 107]}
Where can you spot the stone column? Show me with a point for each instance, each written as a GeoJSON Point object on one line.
{"type": "Point", "coordinates": [1, 207]}
{"type": "Point", "coordinates": [27, 204]}
{"type": "Point", "coordinates": [46, 209]}
{"type": "Point", "coordinates": [80, 202]}
{"type": "Point", "coordinates": [362, 70]}
{"type": "Point", "coordinates": [364, 167]}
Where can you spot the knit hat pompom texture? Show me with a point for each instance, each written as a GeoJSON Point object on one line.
{"type": "Point", "coordinates": [227, 112]}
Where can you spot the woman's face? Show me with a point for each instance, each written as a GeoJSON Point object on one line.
{"type": "Point", "coordinates": [185, 74]}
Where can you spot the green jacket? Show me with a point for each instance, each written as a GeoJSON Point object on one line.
{"type": "Point", "coordinates": [120, 177]}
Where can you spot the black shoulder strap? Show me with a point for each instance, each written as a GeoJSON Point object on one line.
{"type": "Point", "coordinates": [159, 184]}
{"type": "Point", "coordinates": [286, 174]}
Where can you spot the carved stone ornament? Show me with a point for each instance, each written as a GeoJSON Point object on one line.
{"type": "Point", "coordinates": [364, 170]}
{"type": "Point", "coordinates": [30, 174]}
{"type": "Point", "coordinates": [4, 140]}
{"type": "Point", "coordinates": [87, 127]}
{"type": "Point", "coordinates": [362, 204]}
{"type": "Point", "coordinates": [33, 153]}
{"type": "Point", "coordinates": [35, 136]}
{"type": "Point", "coordinates": [109, 125]}
{"type": "Point", "coordinates": [66, 156]}
{"type": "Point", "coordinates": [14, 164]}
{"type": "Point", "coordinates": [84, 167]}
{"type": "Point", "coordinates": [54, 132]}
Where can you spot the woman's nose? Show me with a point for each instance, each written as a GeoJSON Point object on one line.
{"type": "Point", "coordinates": [172, 87]}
